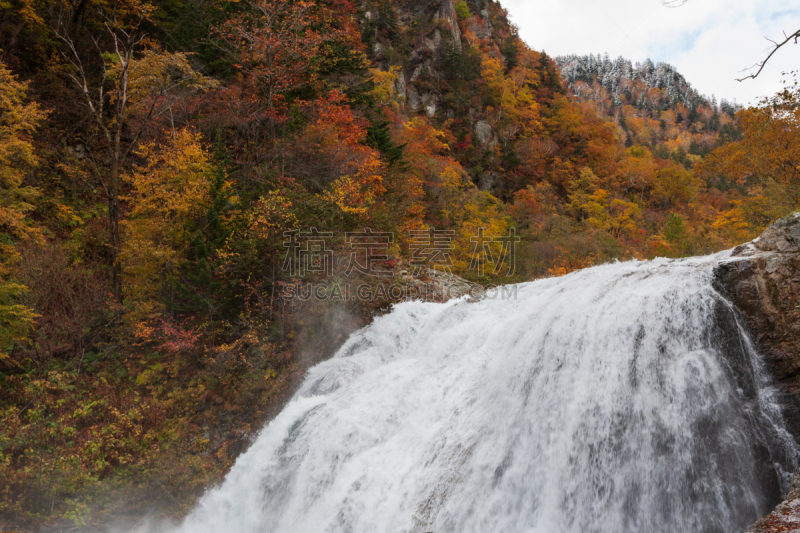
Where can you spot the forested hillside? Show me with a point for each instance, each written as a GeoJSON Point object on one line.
{"type": "Point", "coordinates": [171, 171]}
{"type": "Point", "coordinates": [653, 104]}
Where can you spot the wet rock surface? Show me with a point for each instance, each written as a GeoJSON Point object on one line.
{"type": "Point", "coordinates": [762, 280]}
{"type": "Point", "coordinates": [786, 516]}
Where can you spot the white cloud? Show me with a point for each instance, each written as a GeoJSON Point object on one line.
{"type": "Point", "coordinates": [710, 42]}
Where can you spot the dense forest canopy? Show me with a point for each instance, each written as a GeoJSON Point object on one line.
{"type": "Point", "coordinates": [160, 160]}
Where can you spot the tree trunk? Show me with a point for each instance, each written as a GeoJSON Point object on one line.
{"type": "Point", "coordinates": [113, 219]}
{"type": "Point", "coordinates": [272, 287]}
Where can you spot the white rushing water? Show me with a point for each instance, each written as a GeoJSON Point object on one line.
{"type": "Point", "coordinates": [619, 398]}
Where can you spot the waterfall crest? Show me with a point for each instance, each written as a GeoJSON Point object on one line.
{"type": "Point", "coordinates": [624, 397]}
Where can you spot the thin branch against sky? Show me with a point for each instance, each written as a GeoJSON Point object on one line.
{"type": "Point", "coordinates": [711, 42]}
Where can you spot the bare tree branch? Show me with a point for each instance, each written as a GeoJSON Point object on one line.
{"type": "Point", "coordinates": [761, 65]}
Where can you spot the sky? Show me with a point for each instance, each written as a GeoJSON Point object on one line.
{"type": "Point", "coordinates": [711, 42]}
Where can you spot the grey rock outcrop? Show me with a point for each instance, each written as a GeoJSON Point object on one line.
{"type": "Point", "coordinates": [434, 285]}
{"type": "Point", "coordinates": [482, 26]}
{"type": "Point", "coordinates": [447, 14]}
{"type": "Point", "coordinates": [400, 86]}
{"type": "Point", "coordinates": [485, 134]}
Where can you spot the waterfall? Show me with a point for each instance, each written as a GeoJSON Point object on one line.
{"type": "Point", "coordinates": [624, 397]}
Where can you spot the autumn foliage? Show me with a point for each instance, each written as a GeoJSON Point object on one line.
{"type": "Point", "coordinates": [157, 159]}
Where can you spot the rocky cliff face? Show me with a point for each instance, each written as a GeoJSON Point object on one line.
{"type": "Point", "coordinates": [763, 282]}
